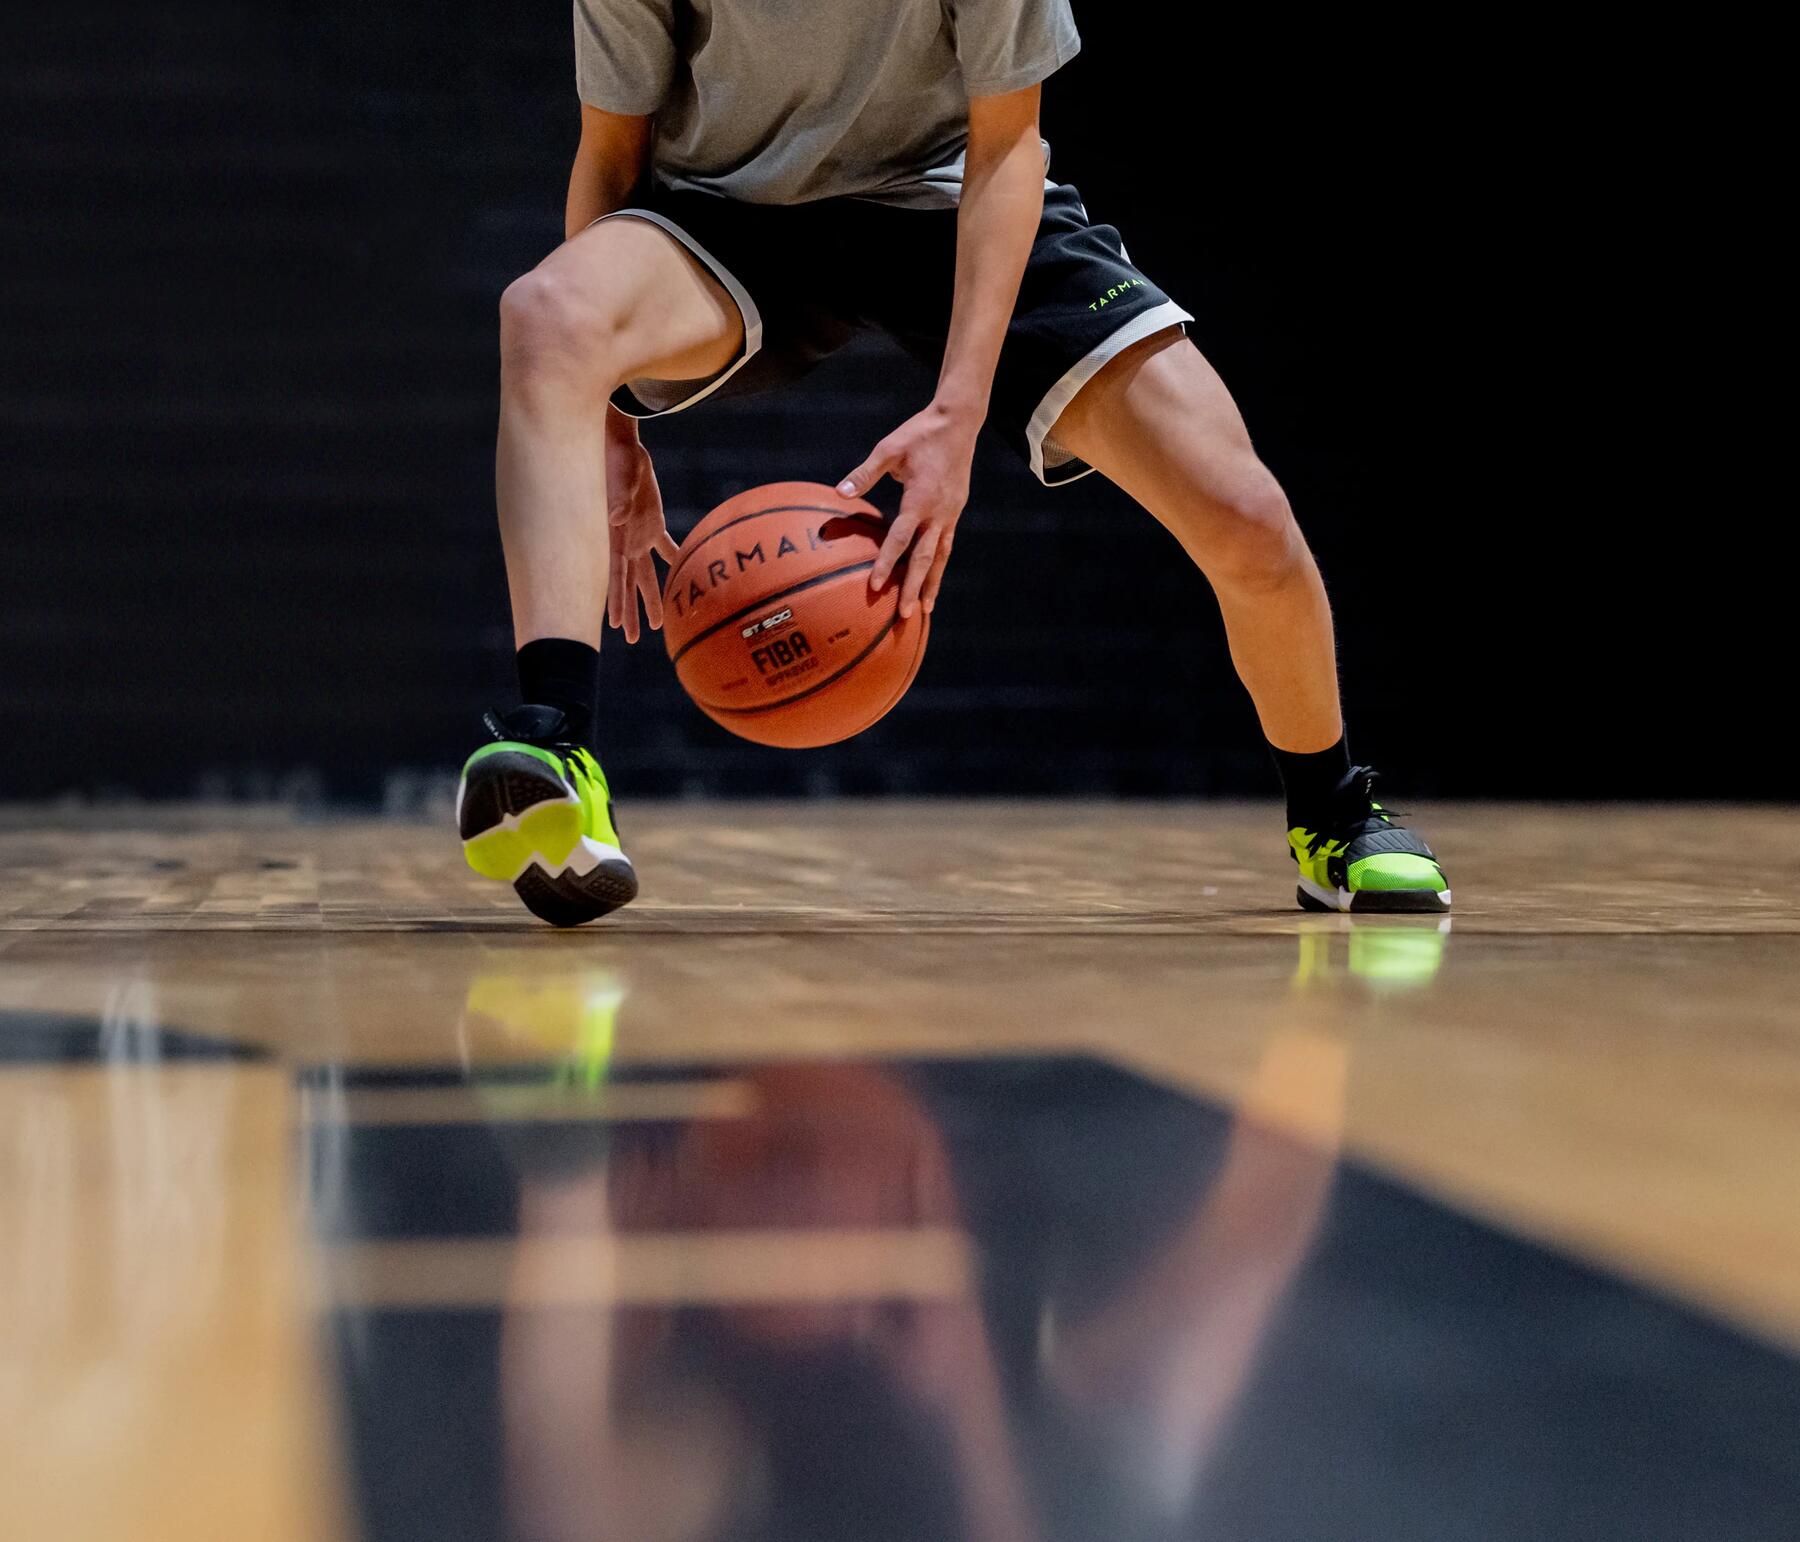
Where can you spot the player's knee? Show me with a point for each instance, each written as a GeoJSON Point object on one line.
{"type": "Point", "coordinates": [1252, 539]}
{"type": "Point", "coordinates": [552, 331]}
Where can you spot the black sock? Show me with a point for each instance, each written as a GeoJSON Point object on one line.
{"type": "Point", "coordinates": [558, 672]}
{"type": "Point", "coordinates": [1314, 783]}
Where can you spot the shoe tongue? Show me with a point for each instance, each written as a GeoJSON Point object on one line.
{"type": "Point", "coordinates": [1354, 801]}
{"type": "Point", "coordinates": [531, 724]}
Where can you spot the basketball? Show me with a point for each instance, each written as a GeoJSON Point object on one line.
{"type": "Point", "coordinates": [770, 623]}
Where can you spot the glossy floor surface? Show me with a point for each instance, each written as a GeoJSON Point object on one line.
{"type": "Point", "coordinates": [900, 1172]}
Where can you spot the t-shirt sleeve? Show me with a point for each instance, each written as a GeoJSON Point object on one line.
{"type": "Point", "coordinates": [1007, 45]}
{"type": "Point", "coordinates": [624, 54]}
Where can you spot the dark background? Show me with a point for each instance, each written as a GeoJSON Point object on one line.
{"type": "Point", "coordinates": [251, 258]}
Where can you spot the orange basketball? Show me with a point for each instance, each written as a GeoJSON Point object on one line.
{"type": "Point", "coordinates": [768, 617]}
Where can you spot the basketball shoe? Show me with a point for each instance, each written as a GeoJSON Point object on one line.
{"type": "Point", "coordinates": [534, 811]}
{"type": "Point", "coordinates": [1362, 861]}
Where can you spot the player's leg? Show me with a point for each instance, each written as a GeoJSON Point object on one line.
{"type": "Point", "coordinates": [1157, 420]}
{"type": "Point", "coordinates": [623, 301]}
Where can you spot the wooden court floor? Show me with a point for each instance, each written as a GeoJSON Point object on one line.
{"type": "Point", "coordinates": [1598, 1055]}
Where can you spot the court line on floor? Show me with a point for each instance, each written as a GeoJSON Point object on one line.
{"type": "Point", "coordinates": [523, 1103]}
{"type": "Point", "coordinates": [605, 1269]}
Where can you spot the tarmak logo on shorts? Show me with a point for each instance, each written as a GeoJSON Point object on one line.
{"type": "Point", "coordinates": [1114, 293]}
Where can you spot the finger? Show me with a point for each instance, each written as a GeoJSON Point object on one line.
{"type": "Point", "coordinates": [651, 591]}
{"type": "Point", "coordinates": [871, 471]}
{"type": "Point", "coordinates": [934, 581]}
{"type": "Point", "coordinates": [914, 504]}
{"type": "Point", "coordinates": [628, 605]}
{"type": "Point", "coordinates": [899, 537]}
{"type": "Point", "coordinates": [665, 545]}
{"type": "Point", "coordinates": [615, 591]}
{"type": "Point", "coordinates": [917, 566]}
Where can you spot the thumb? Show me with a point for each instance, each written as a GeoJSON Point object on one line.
{"type": "Point", "coordinates": [871, 471]}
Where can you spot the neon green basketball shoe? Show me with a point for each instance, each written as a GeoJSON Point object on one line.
{"type": "Point", "coordinates": [1364, 861]}
{"type": "Point", "coordinates": [535, 812]}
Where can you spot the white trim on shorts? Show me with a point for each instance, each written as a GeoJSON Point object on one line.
{"type": "Point", "coordinates": [1058, 397]}
{"type": "Point", "coordinates": [752, 317]}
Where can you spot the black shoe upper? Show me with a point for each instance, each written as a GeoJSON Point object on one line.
{"type": "Point", "coordinates": [1361, 828]}
{"type": "Point", "coordinates": [546, 727]}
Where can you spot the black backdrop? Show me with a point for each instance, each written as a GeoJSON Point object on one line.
{"type": "Point", "coordinates": [251, 263]}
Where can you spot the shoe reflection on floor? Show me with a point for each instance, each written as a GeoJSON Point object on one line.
{"type": "Point", "coordinates": [1392, 954]}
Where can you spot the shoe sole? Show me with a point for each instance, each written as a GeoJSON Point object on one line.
{"type": "Point", "coordinates": [521, 824]}
{"type": "Point", "coordinates": [1373, 901]}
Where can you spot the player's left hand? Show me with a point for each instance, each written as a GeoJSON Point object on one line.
{"type": "Point", "coordinates": [929, 455]}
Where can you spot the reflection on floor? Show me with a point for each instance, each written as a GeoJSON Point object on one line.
{"type": "Point", "coordinates": [995, 1298]}
{"type": "Point", "coordinates": [1099, 1222]}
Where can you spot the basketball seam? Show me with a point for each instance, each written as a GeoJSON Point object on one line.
{"type": "Point", "coordinates": [742, 519]}
{"type": "Point", "coordinates": [912, 671]}
{"type": "Point", "coordinates": [787, 701]}
{"type": "Point", "coordinates": [766, 601]}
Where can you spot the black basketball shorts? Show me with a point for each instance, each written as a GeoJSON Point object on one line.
{"type": "Point", "coordinates": [808, 276]}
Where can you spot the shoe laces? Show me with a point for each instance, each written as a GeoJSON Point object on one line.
{"type": "Point", "coordinates": [1358, 813]}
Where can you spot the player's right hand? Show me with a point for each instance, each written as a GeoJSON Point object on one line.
{"type": "Point", "coordinates": [636, 531]}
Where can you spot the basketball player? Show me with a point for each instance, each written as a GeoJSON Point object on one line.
{"type": "Point", "coordinates": [723, 141]}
